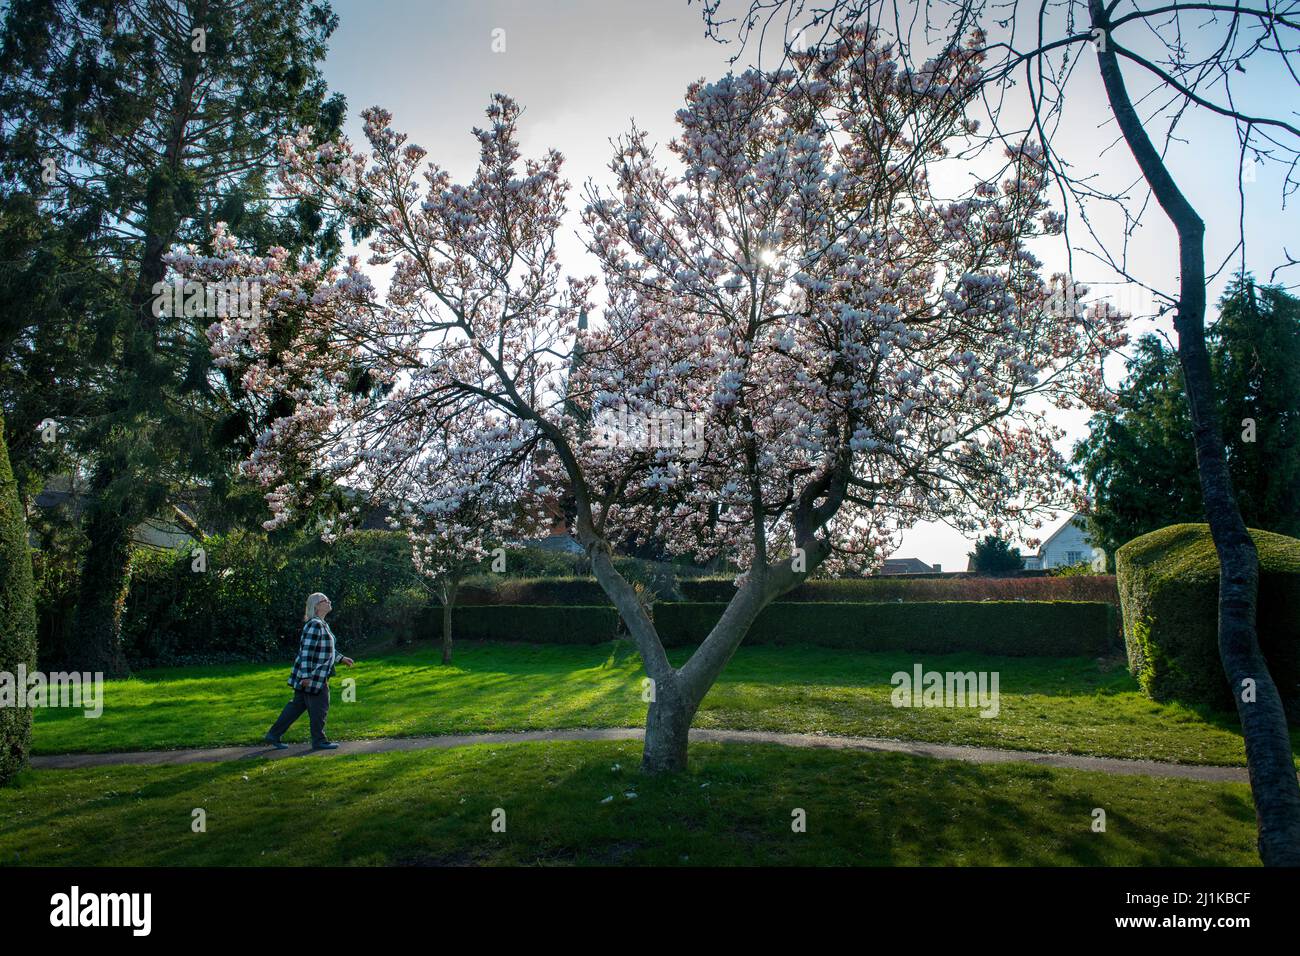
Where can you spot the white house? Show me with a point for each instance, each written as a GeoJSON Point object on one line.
{"type": "Point", "coordinates": [1068, 545]}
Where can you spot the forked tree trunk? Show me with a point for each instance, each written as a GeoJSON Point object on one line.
{"type": "Point", "coordinates": [1263, 722]}
{"type": "Point", "coordinates": [678, 693]}
{"type": "Point", "coordinates": [678, 696]}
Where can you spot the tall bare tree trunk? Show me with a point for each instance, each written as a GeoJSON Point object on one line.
{"type": "Point", "coordinates": [1263, 721]}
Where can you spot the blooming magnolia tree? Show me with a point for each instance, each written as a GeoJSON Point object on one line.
{"type": "Point", "coordinates": [854, 353]}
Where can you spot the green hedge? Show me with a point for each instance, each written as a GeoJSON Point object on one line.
{"type": "Point", "coordinates": [574, 591]}
{"type": "Point", "coordinates": [571, 589]}
{"type": "Point", "coordinates": [1013, 628]}
{"type": "Point", "coordinates": [536, 624]}
{"type": "Point", "coordinates": [247, 605]}
{"type": "Point", "coordinates": [17, 616]}
{"type": "Point", "coordinates": [1097, 587]}
{"type": "Point", "coordinates": [1169, 591]}
{"type": "Point", "coordinates": [585, 590]}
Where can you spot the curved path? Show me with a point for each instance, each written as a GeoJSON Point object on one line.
{"type": "Point", "coordinates": [1146, 768]}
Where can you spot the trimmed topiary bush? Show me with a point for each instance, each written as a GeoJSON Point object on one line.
{"type": "Point", "coordinates": [17, 616]}
{"type": "Point", "coordinates": [1169, 594]}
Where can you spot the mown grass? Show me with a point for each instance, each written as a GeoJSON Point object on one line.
{"type": "Point", "coordinates": [1076, 706]}
{"type": "Point", "coordinates": [733, 805]}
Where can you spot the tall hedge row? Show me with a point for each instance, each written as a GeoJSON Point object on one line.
{"type": "Point", "coordinates": [17, 616]}
{"type": "Point", "coordinates": [1091, 587]}
{"type": "Point", "coordinates": [542, 624]}
{"type": "Point", "coordinates": [1012, 628]}
{"type": "Point", "coordinates": [1169, 592]}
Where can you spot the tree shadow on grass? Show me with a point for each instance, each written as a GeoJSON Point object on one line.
{"type": "Point", "coordinates": [733, 806]}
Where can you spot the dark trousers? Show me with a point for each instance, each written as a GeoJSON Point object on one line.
{"type": "Point", "coordinates": [317, 707]}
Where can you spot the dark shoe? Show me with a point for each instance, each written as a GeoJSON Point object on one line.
{"type": "Point", "coordinates": [276, 742]}
{"type": "Point", "coordinates": [326, 745]}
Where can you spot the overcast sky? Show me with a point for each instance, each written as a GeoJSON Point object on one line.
{"type": "Point", "coordinates": [585, 69]}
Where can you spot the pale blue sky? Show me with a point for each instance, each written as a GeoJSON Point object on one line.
{"type": "Point", "coordinates": [584, 69]}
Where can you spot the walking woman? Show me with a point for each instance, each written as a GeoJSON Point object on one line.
{"type": "Point", "coordinates": [312, 669]}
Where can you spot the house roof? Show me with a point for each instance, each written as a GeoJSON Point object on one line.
{"type": "Point", "coordinates": [1078, 516]}
{"type": "Point", "coordinates": [905, 566]}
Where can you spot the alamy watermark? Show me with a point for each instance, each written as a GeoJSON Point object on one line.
{"type": "Point", "coordinates": [1126, 298]}
{"type": "Point", "coordinates": [209, 300]}
{"type": "Point", "coordinates": [57, 689]}
{"type": "Point", "coordinates": [75, 908]}
{"type": "Point", "coordinates": [618, 427]}
{"type": "Point", "coordinates": [922, 688]}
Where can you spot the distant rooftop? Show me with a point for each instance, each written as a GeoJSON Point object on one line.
{"type": "Point", "coordinates": [907, 566]}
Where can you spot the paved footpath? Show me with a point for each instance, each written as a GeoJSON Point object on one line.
{"type": "Point", "coordinates": [1144, 768]}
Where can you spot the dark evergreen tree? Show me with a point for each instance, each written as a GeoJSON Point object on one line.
{"type": "Point", "coordinates": [132, 126]}
{"type": "Point", "coordinates": [1139, 462]}
{"type": "Point", "coordinates": [995, 557]}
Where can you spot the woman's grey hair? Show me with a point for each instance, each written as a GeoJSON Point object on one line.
{"type": "Point", "coordinates": [312, 601]}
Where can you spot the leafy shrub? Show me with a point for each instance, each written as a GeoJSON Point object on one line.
{"type": "Point", "coordinates": [56, 570]}
{"type": "Point", "coordinates": [1169, 592]}
{"type": "Point", "coordinates": [566, 590]}
{"type": "Point", "coordinates": [1082, 569]}
{"type": "Point", "coordinates": [248, 603]}
{"type": "Point", "coordinates": [541, 563]}
{"type": "Point", "coordinates": [403, 613]}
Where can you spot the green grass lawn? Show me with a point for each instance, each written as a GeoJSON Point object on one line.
{"type": "Point", "coordinates": [732, 806]}
{"type": "Point", "coordinates": [1047, 704]}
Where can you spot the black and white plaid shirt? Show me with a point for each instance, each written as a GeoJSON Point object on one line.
{"type": "Point", "coordinates": [316, 658]}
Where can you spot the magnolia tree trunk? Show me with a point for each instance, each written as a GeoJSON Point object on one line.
{"type": "Point", "coordinates": [676, 693]}
{"type": "Point", "coordinates": [667, 728]}
{"type": "Point", "coordinates": [1263, 721]}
